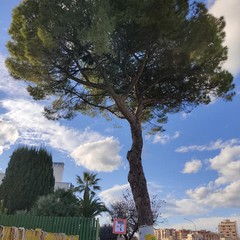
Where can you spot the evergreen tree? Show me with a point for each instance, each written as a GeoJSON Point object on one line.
{"type": "Point", "coordinates": [3, 210]}
{"type": "Point", "coordinates": [138, 60]}
{"type": "Point", "coordinates": [29, 175]}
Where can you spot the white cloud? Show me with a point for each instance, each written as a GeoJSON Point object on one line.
{"type": "Point", "coordinates": [218, 144]}
{"type": "Point", "coordinates": [8, 135]}
{"type": "Point", "coordinates": [185, 115]}
{"type": "Point", "coordinates": [1, 150]}
{"type": "Point", "coordinates": [35, 129]}
{"type": "Point", "coordinates": [113, 194]}
{"type": "Point", "coordinates": [206, 198]}
{"type": "Point", "coordinates": [8, 85]}
{"type": "Point", "coordinates": [230, 10]}
{"type": "Point", "coordinates": [207, 223]}
{"type": "Point", "coordinates": [88, 148]}
{"type": "Point", "coordinates": [227, 163]}
{"type": "Point", "coordinates": [216, 197]}
{"type": "Point", "coordinates": [116, 192]}
{"type": "Point", "coordinates": [100, 155]}
{"type": "Point", "coordinates": [222, 192]}
{"type": "Point", "coordinates": [182, 207]}
{"type": "Point", "coordinates": [192, 167]}
{"type": "Point", "coordinates": [165, 138]}
{"type": "Point", "coordinates": [154, 188]}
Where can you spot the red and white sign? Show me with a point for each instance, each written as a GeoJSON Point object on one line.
{"type": "Point", "coordinates": [119, 226]}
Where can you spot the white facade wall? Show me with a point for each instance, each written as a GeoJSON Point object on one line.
{"type": "Point", "coordinates": [58, 168]}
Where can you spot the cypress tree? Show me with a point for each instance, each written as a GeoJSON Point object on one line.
{"type": "Point", "coordinates": [29, 175]}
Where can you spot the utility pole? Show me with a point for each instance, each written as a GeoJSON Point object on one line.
{"type": "Point", "coordinates": [195, 232]}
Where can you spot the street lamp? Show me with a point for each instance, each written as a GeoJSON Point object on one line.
{"type": "Point", "coordinates": [192, 222]}
{"type": "Point", "coordinates": [194, 227]}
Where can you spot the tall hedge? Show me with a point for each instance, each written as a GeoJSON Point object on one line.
{"type": "Point", "coordinates": [29, 175]}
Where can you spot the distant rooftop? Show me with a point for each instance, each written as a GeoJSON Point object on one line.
{"type": "Point", "coordinates": [58, 164]}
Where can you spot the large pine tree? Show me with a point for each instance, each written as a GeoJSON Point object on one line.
{"type": "Point", "coordinates": [29, 175]}
{"type": "Point", "coordinates": [138, 60]}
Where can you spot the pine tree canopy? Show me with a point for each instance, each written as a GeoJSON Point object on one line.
{"type": "Point", "coordinates": [129, 58]}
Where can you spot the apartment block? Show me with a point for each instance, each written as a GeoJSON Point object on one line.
{"type": "Point", "coordinates": [171, 234]}
{"type": "Point", "coordinates": [165, 234]}
{"type": "Point", "coordinates": [208, 235]}
{"type": "Point", "coordinates": [184, 234]}
{"type": "Point", "coordinates": [228, 230]}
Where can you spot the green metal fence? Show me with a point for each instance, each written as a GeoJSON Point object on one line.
{"type": "Point", "coordinates": [86, 228]}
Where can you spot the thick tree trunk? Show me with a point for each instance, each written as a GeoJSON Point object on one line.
{"type": "Point", "coordinates": [138, 182]}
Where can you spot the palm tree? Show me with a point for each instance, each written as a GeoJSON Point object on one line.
{"type": "Point", "coordinates": [88, 184]}
{"type": "Point", "coordinates": [92, 207]}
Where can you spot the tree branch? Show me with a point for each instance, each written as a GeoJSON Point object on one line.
{"type": "Point", "coordinates": [137, 77]}
{"type": "Point", "coordinates": [117, 98]}
{"type": "Point", "coordinates": [85, 83]}
{"type": "Point", "coordinates": [83, 97]}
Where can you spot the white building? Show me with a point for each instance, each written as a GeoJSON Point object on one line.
{"type": "Point", "coordinates": [228, 230]}
{"type": "Point", "coordinates": [58, 170]}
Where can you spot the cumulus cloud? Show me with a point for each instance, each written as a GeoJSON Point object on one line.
{"type": "Point", "coordinates": [100, 155]}
{"type": "Point", "coordinates": [165, 138]}
{"type": "Point", "coordinates": [217, 197]}
{"type": "Point", "coordinates": [182, 207]}
{"type": "Point", "coordinates": [8, 85]}
{"type": "Point", "coordinates": [205, 198]}
{"type": "Point", "coordinates": [35, 129]}
{"type": "Point", "coordinates": [207, 223]}
{"type": "Point", "coordinates": [192, 167]}
{"type": "Point", "coordinates": [113, 194]}
{"type": "Point", "coordinates": [154, 188]}
{"type": "Point", "coordinates": [116, 192]}
{"type": "Point", "coordinates": [222, 192]}
{"type": "Point", "coordinates": [218, 144]}
{"type": "Point", "coordinates": [230, 10]}
{"type": "Point", "coordinates": [8, 135]}
{"type": "Point", "coordinates": [185, 115]}
{"type": "Point", "coordinates": [227, 164]}
{"type": "Point", "coordinates": [27, 125]}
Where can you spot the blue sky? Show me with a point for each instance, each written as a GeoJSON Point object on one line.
{"type": "Point", "coordinates": [194, 165]}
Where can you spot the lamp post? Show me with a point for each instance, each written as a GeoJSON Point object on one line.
{"type": "Point", "coordinates": [194, 226]}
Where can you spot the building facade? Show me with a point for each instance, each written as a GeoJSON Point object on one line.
{"type": "Point", "coordinates": [58, 169]}
{"type": "Point", "coordinates": [165, 234]}
{"type": "Point", "coordinates": [228, 230]}
{"type": "Point", "coordinates": [184, 234]}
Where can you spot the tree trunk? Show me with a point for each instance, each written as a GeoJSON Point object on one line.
{"type": "Point", "coordinates": [138, 184]}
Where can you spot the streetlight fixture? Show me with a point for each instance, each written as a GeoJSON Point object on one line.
{"type": "Point", "coordinates": [192, 222]}
{"type": "Point", "coordinates": [195, 232]}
